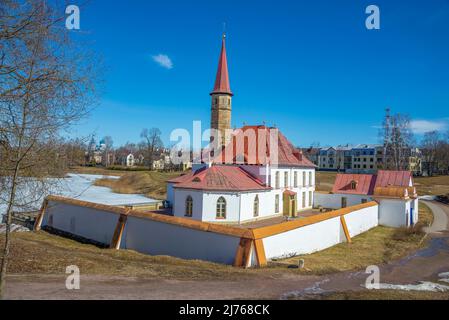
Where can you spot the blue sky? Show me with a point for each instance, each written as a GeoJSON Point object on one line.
{"type": "Point", "coordinates": [309, 67]}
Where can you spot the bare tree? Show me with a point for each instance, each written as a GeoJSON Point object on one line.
{"type": "Point", "coordinates": [398, 139]}
{"type": "Point", "coordinates": [152, 142]}
{"type": "Point", "coordinates": [429, 148]}
{"type": "Point", "coordinates": [46, 84]}
{"type": "Point", "coordinates": [108, 146]}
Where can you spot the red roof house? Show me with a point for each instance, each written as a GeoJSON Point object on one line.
{"type": "Point", "coordinates": [254, 145]}
{"type": "Point", "coordinates": [362, 184]}
{"type": "Point", "coordinates": [387, 178]}
{"type": "Point", "coordinates": [365, 184]}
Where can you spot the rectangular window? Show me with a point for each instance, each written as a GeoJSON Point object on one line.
{"type": "Point", "coordinates": [364, 200]}
{"type": "Point", "coordinates": [303, 179]}
{"type": "Point", "coordinates": [277, 181]}
{"type": "Point", "coordinates": [310, 178]}
{"type": "Point", "coordinates": [344, 202]}
{"type": "Point", "coordinates": [295, 179]}
{"type": "Point", "coordinates": [286, 180]}
{"type": "Point", "coordinates": [303, 200]}
{"type": "Point", "coordinates": [276, 204]}
{"type": "Point", "coordinates": [310, 199]}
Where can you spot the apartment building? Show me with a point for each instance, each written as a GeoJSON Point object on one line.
{"type": "Point", "coordinates": [367, 159]}
{"type": "Point", "coordinates": [335, 158]}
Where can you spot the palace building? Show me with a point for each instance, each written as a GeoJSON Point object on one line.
{"type": "Point", "coordinates": [257, 173]}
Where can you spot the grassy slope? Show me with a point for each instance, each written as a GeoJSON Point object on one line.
{"type": "Point", "coordinates": [150, 183]}
{"type": "Point", "coordinates": [42, 253]}
{"type": "Point", "coordinates": [376, 246]}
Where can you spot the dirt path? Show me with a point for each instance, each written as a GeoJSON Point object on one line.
{"type": "Point", "coordinates": [423, 265]}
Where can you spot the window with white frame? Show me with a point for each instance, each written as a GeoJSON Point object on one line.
{"type": "Point", "coordinates": [221, 208]}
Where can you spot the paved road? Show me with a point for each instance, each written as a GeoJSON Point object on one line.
{"type": "Point", "coordinates": [441, 217]}
{"type": "Point", "coordinates": [423, 265]}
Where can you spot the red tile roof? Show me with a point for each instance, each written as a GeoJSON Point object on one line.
{"type": "Point", "coordinates": [387, 178]}
{"type": "Point", "coordinates": [219, 178]}
{"type": "Point", "coordinates": [253, 145]}
{"type": "Point", "coordinates": [222, 79]}
{"type": "Point", "coordinates": [364, 184]}
{"type": "Point", "coordinates": [367, 183]}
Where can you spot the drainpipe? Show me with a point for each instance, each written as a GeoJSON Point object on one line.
{"type": "Point", "coordinates": [240, 207]}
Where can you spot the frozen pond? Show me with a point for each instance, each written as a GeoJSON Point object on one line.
{"type": "Point", "coordinates": [80, 187]}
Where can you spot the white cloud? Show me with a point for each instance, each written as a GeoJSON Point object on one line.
{"type": "Point", "coordinates": [163, 60]}
{"type": "Point", "coordinates": [423, 126]}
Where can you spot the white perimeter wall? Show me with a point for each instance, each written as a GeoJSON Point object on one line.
{"type": "Point", "coordinates": [362, 220]}
{"type": "Point", "coordinates": [319, 236]}
{"type": "Point", "coordinates": [90, 223]}
{"type": "Point", "coordinates": [394, 213]}
{"type": "Point", "coordinates": [157, 238]}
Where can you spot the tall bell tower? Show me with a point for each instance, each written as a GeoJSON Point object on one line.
{"type": "Point", "coordinates": [222, 98]}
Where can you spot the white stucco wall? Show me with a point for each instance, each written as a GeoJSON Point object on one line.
{"type": "Point", "coordinates": [239, 206]}
{"type": "Point", "coordinates": [180, 197]}
{"type": "Point", "coordinates": [157, 238]}
{"type": "Point", "coordinates": [303, 240]}
{"type": "Point", "coordinates": [394, 213]}
{"type": "Point", "coordinates": [90, 223]}
{"type": "Point", "coordinates": [170, 193]}
{"type": "Point", "coordinates": [319, 236]}
{"type": "Point", "coordinates": [362, 220]}
{"type": "Point", "coordinates": [210, 206]}
{"type": "Point", "coordinates": [333, 201]}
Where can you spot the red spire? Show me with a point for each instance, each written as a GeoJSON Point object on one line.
{"type": "Point", "coordinates": [222, 80]}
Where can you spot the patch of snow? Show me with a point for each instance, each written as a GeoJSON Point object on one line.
{"type": "Point", "coordinates": [80, 186]}
{"type": "Point", "coordinates": [430, 198]}
{"type": "Point", "coordinates": [422, 286]}
{"type": "Point", "coordinates": [14, 228]}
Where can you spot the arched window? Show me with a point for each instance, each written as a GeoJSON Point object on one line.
{"type": "Point", "coordinates": [256, 207]}
{"type": "Point", "coordinates": [221, 208]}
{"type": "Point", "coordinates": [277, 180]}
{"type": "Point", "coordinates": [353, 185]}
{"type": "Point", "coordinates": [189, 206]}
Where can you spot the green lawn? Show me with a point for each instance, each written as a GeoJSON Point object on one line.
{"type": "Point", "coordinates": [376, 246]}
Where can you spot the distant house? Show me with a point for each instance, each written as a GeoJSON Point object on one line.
{"type": "Point", "coordinates": [130, 160]}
